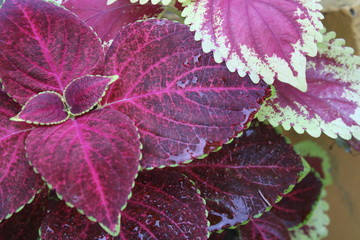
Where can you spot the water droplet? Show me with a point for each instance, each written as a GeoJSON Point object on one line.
{"type": "Point", "coordinates": [182, 84]}
{"type": "Point", "coordinates": [186, 63]}
{"type": "Point", "coordinates": [194, 80]}
{"type": "Point", "coordinates": [197, 58]}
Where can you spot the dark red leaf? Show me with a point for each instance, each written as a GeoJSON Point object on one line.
{"type": "Point", "coordinates": [83, 93]}
{"type": "Point", "coordinates": [19, 183]}
{"type": "Point", "coordinates": [297, 205]}
{"type": "Point", "coordinates": [25, 224]}
{"type": "Point", "coordinates": [245, 177]}
{"type": "Point", "coordinates": [267, 227]}
{"type": "Point", "coordinates": [43, 47]}
{"type": "Point", "coordinates": [164, 205]}
{"type": "Point", "coordinates": [107, 20]}
{"type": "Point", "coordinates": [183, 103]}
{"type": "Point", "coordinates": [43, 108]}
{"type": "Point", "coordinates": [91, 161]}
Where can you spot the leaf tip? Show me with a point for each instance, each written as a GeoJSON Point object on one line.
{"type": "Point", "coordinates": [17, 119]}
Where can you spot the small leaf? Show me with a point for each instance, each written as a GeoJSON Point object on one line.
{"type": "Point", "coordinates": [332, 103]}
{"type": "Point", "coordinates": [91, 161]}
{"type": "Point", "coordinates": [265, 39]}
{"type": "Point", "coordinates": [164, 205]}
{"type": "Point", "coordinates": [26, 223]}
{"type": "Point", "coordinates": [183, 103]}
{"type": "Point", "coordinates": [44, 108]}
{"type": "Point", "coordinates": [83, 93]}
{"type": "Point", "coordinates": [297, 206]}
{"type": "Point", "coordinates": [267, 227]}
{"type": "Point", "coordinates": [43, 47]}
{"type": "Point", "coordinates": [245, 177]}
{"type": "Point", "coordinates": [107, 19]}
{"type": "Point", "coordinates": [19, 183]}
{"type": "Point", "coordinates": [355, 144]}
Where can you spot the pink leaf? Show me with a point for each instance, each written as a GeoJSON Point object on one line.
{"type": "Point", "coordinates": [43, 47]}
{"type": "Point", "coordinates": [19, 183]}
{"type": "Point", "coordinates": [91, 161]}
{"type": "Point", "coordinates": [164, 205]}
{"type": "Point", "coordinates": [266, 39]}
{"type": "Point", "coordinates": [332, 103]}
{"type": "Point", "coordinates": [245, 177]}
{"type": "Point", "coordinates": [43, 108]}
{"type": "Point", "coordinates": [83, 93]}
{"type": "Point", "coordinates": [183, 103]}
{"type": "Point", "coordinates": [107, 20]}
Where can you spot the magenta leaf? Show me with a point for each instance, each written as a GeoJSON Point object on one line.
{"type": "Point", "coordinates": [44, 108]}
{"type": "Point", "coordinates": [107, 20]}
{"type": "Point", "coordinates": [19, 183]}
{"type": "Point", "coordinates": [91, 161]}
{"type": "Point", "coordinates": [297, 206]}
{"type": "Point", "coordinates": [26, 223]}
{"type": "Point", "coordinates": [64, 222]}
{"type": "Point", "coordinates": [266, 39]}
{"type": "Point", "coordinates": [44, 47]}
{"type": "Point", "coordinates": [83, 93]}
{"type": "Point", "coordinates": [267, 227]}
{"type": "Point", "coordinates": [355, 144]}
{"type": "Point", "coordinates": [164, 205]}
{"type": "Point", "coordinates": [183, 103]}
{"type": "Point", "coordinates": [332, 102]}
{"type": "Point", "coordinates": [245, 177]}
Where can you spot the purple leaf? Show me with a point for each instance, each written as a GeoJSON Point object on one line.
{"type": "Point", "coordinates": [183, 103]}
{"type": "Point", "coordinates": [19, 183]}
{"type": "Point", "coordinates": [266, 39]}
{"type": "Point", "coordinates": [43, 108]}
{"type": "Point", "coordinates": [91, 161]}
{"type": "Point", "coordinates": [83, 93]}
{"type": "Point", "coordinates": [107, 20]}
{"type": "Point", "coordinates": [64, 222]}
{"type": "Point", "coordinates": [332, 103]}
{"type": "Point", "coordinates": [25, 224]}
{"type": "Point", "coordinates": [43, 47]}
{"type": "Point", "coordinates": [355, 144]}
{"type": "Point", "coordinates": [296, 207]}
{"type": "Point", "coordinates": [245, 177]}
{"type": "Point", "coordinates": [267, 227]}
{"type": "Point", "coordinates": [164, 205]}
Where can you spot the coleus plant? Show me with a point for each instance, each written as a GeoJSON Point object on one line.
{"type": "Point", "coordinates": [141, 133]}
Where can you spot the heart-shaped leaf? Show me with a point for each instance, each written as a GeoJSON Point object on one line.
{"type": "Point", "coordinates": [266, 39]}
{"type": "Point", "coordinates": [83, 93]}
{"type": "Point", "coordinates": [19, 183]}
{"type": "Point", "coordinates": [44, 108]}
{"type": "Point", "coordinates": [164, 205]}
{"type": "Point", "coordinates": [183, 103]}
{"type": "Point", "coordinates": [91, 161]}
{"type": "Point", "coordinates": [332, 103]}
{"type": "Point", "coordinates": [107, 20]}
{"type": "Point", "coordinates": [26, 223]}
{"type": "Point", "coordinates": [245, 177]}
{"type": "Point", "coordinates": [44, 47]}
{"type": "Point", "coordinates": [267, 227]}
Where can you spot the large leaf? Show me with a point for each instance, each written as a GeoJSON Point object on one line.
{"type": "Point", "coordinates": [25, 224]}
{"type": "Point", "coordinates": [266, 39]}
{"type": "Point", "coordinates": [164, 205]}
{"type": "Point", "coordinates": [18, 181]}
{"type": "Point", "coordinates": [43, 108]}
{"type": "Point", "coordinates": [107, 20]}
{"type": "Point", "coordinates": [43, 47]}
{"type": "Point", "coordinates": [91, 161]}
{"type": "Point", "coordinates": [332, 103]}
{"type": "Point", "coordinates": [182, 101]}
{"type": "Point", "coordinates": [83, 93]}
{"type": "Point", "coordinates": [245, 177]}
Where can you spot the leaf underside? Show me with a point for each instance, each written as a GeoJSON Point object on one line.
{"type": "Point", "coordinates": [183, 103]}
{"type": "Point", "coordinates": [19, 183]}
{"type": "Point", "coordinates": [245, 177]}
{"type": "Point", "coordinates": [44, 47]}
{"type": "Point", "coordinates": [91, 161]}
{"type": "Point", "coordinates": [289, 31]}
{"type": "Point", "coordinates": [332, 103]}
